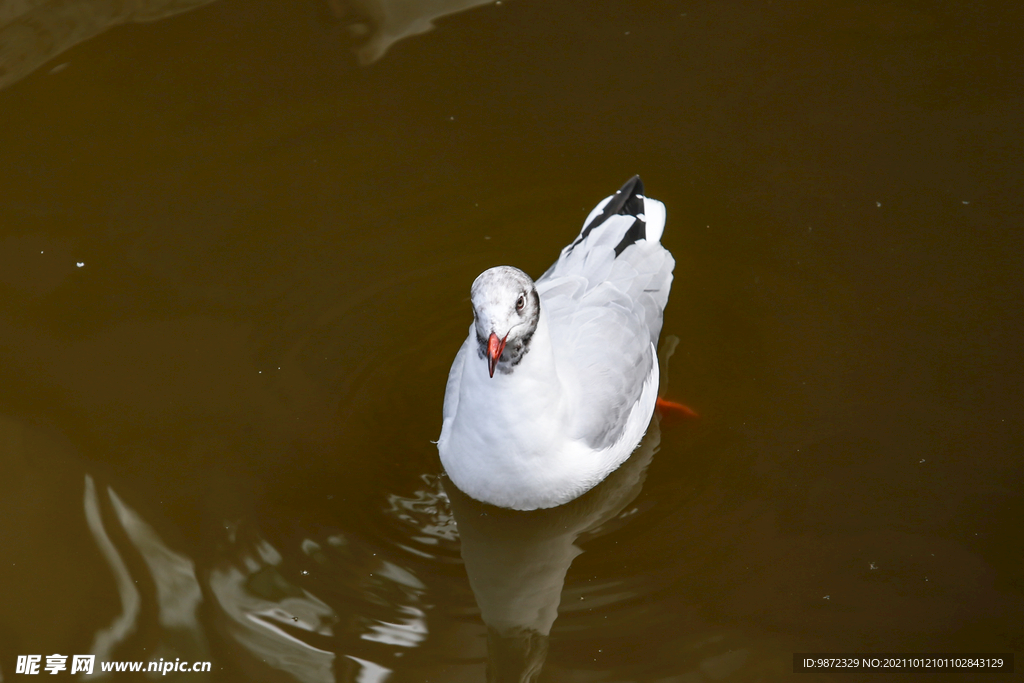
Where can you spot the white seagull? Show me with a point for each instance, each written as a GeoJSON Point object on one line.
{"type": "Point", "coordinates": [558, 379]}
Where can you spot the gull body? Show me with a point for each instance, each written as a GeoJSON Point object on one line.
{"type": "Point", "coordinates": [557, 381]}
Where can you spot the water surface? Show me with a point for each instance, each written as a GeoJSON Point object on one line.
{"type": "Point", "coordinates": [235, 258]}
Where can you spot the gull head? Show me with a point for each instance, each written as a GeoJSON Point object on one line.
{"type": "Point", "coordinates": [506, 308]}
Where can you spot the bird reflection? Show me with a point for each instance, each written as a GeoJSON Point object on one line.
{"type": "Point", "coordinates": [517, 561]}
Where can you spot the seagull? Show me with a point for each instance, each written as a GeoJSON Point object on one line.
{"type": "Point", "coordinates": [558, 379]}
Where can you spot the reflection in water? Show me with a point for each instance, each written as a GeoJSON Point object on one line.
{"type": "Point", "coordinates": [177, 590]}
{"type": "Point", "coordinates": [262, 606]}
{"type": "Point", "coordinates": [258, 607]}
{"type": "Point", "coordinates": [389, 21]}
{"type": "Point", "coordinates": [125, 623]}
{"type": "Point", "coordinates": [517, 561]}
{"type": "Point", "coordinates": [410, 628]}
{"type": "Point", "coordinates": [33, 32]}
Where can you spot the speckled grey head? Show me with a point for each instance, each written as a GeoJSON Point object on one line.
{"type": "Point", "coordinates": [506, 308]}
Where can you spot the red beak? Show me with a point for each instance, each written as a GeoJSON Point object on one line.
{"type": "Point", "coordinates": [494, 349]}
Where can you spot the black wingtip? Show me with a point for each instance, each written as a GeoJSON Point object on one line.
{"type": "Point", "coordinates": [633, 191]}
{"type": "Point", "coordinates": [632, 205]}
{"type": "Point", "coordinates": [633, 186]}
{"type": "Point", "coordinates": [628, 201]}
{"type": "Point", "coordinates": [624, 202]}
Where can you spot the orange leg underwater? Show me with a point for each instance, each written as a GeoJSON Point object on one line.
{"type": "Point", "coordinates": [673, 409]}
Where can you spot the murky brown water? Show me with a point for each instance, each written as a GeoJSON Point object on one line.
{"type": "Point", "coordinates": [234, 270]}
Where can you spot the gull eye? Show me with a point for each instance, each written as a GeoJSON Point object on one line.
{"type": "Point", "coordinates": [520, 302]}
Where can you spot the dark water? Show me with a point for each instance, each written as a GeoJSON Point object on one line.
{"type": "Point", "coordinates": [234, 270]}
